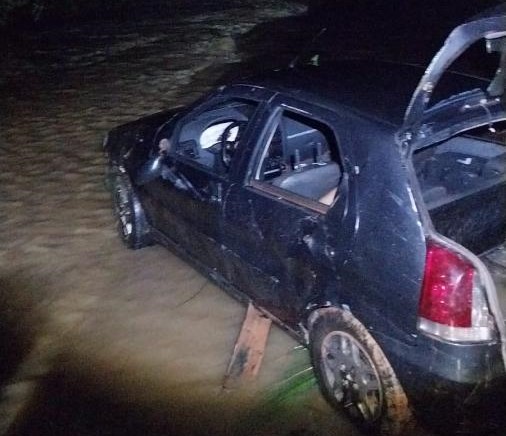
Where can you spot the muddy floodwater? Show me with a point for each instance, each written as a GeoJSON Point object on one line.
{"type": "Point", "coordinates": [97, 339]}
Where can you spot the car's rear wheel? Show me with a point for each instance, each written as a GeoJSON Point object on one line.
{"type": "Point", "coordinates": [354, 374]}
{"type": "Point", "coordinates": [131, 221]}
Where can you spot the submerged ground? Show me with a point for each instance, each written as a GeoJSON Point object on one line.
{"type": "Point", "coordinates": [97, 339]}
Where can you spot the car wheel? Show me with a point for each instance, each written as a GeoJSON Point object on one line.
{"type": "Point", "coordinates": [354, 374]}
{"type": "Point", "coordinates": [131, 221]}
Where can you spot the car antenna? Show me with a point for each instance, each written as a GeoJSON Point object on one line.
{"type": "Point", "coordinates": [306, 48]}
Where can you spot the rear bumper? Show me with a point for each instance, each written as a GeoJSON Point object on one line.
{"type": "Point", "coordinates": [452, 384]}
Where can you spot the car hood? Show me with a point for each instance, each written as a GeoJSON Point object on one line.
{"type": "Point", "coordinates": [144, 129]}
{"type": "Point", "coordinates": [462, 111]}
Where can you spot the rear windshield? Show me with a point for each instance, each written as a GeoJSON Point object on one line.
{"type": "Point", "coordinates": [474, 69]}
{"type": "Point", "coordinates": [494, 133]}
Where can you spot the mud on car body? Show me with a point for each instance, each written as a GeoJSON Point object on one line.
{"type": "Point", "coordinates": [373, 233]}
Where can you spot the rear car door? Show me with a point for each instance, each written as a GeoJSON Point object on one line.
{"type": "Point", "coordinates": [276, 218]}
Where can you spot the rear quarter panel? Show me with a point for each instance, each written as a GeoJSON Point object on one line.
{"type": "Point", "coordinates": [381, 268]}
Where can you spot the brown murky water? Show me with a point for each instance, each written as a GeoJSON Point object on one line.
{"type": "Point", "coordinates": [97, 339]}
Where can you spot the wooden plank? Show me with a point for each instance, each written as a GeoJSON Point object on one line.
{"type": "Point", "coordinates": [249, 349]}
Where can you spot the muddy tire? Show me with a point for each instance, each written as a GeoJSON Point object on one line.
{"type": "Point", "coordinates": [130, 218]}
{"type": "Point", "coordinates": [355, 376]}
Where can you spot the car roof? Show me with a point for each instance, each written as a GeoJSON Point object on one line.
{"type": "Point", "coordinates": [378, 90]}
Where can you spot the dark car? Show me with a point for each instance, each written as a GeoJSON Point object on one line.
{"type": "Point", "coordinates": [374, 234]}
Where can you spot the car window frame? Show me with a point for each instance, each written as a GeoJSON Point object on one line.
{"type": "Point", "coordinates": [279, 105]}
{"type": "Point", "coordinates": [222, 95]}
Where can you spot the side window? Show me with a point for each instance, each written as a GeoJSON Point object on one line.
{"type": "Point", "coordinates": [210, 137]}
{"type": "Point", "coordinates": [301, 158]}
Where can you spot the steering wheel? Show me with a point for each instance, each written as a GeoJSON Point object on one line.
{"type": "Point", "coordinates": [228, 146]}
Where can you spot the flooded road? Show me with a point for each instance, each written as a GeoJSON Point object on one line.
{"type": "Point", "coordinates": [97, 339]}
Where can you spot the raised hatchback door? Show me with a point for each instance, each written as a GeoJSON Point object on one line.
{"type": "Point", "coordinates": [475, 105]}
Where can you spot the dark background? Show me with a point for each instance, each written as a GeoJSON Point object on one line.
{"type": "Point", "coordinates": [406, 15]}
{"type": "Point", "coordinates": [407, 30]}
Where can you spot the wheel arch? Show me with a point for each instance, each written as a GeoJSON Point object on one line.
{"type": "Point", "coordinates": [316, 313]}
{"type": "Point", "coordinates": [397, 416]}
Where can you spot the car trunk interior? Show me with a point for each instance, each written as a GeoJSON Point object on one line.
{"type": "Point", "coordinates": [463, 183]}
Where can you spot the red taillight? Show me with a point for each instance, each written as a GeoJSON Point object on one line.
{"type": "Point", "coordinates": [447, 291]}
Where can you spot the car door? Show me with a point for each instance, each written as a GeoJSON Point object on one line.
{"type": "Point", "coordinates": [185, 202]}
{"type": "Point", "coordinates": [276, 219]}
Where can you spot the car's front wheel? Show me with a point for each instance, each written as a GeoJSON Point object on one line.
{"type": "Point", "coordinates": [131, 221]}
{"type": "Point", "coordinates": [354, 374]}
